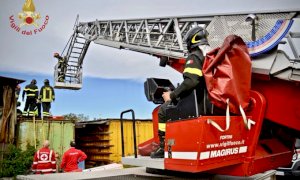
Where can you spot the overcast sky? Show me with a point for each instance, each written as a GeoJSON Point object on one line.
{"type": "Point", "coordinates": [33, 54]}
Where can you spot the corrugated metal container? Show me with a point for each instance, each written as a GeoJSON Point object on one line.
{"type": "Point", "coordinates": [101, 140]}
{"type": "Point", "coordinates": [144, 131]}
{"type": "Point", "coordinates": [59, 133]}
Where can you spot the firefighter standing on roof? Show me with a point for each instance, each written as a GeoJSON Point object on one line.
{"type": "Point", "coordinates": [47, 95]}
{"type": "Point", "coordinates": [197, 45]}
{"type": "Point", "coordinates": [44, 160]}
{"type": "Point", "coordinates": [32, 93]}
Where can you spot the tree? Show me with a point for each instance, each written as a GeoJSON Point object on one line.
{"type": "Point", "coordinates": [16, 162]}
{"type": "Point", "coordinates": [76, 117]}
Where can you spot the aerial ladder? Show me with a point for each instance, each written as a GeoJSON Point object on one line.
{"type": "Point", "coordinates": [68, 71]}
{"type": "Point", "coordinates": [272, 39]}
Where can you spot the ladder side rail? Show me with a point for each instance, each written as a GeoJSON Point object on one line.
{"type": "Point", "coordinates": [67, 57]}
{"type": "Point", "coordinates": [142, 49]}
{"type": "Point", "coordinates": [211, 15]}
{"type": "Point", "coordinates": [68, 54]}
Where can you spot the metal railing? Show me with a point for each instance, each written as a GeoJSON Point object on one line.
{"type": "Point", "coordinates": [134, 132]}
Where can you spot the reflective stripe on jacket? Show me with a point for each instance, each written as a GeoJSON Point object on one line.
{"type": "Point", "coordinates": [47, 94]}
{"type": "Point", "coordinates": [31, 90]}
{"type": "Point", "coordinates": [44, 161]}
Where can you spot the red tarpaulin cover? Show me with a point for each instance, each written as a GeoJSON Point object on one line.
{"type": "Point", "coordinates": [227, 73]}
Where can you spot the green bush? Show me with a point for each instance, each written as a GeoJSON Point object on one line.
{"type": "Point", "coordinates": [16, 162]}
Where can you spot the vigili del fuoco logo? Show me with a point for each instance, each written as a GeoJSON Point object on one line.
{"type": "Point", "coordinates": [28, 21]}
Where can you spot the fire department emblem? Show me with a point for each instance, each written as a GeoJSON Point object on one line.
{"type": "Point", "coordinates": [44, 157]}
{"type": "Point", "coordinates": [29, 16]}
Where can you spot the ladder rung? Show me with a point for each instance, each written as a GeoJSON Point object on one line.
{"type": "Point", "coordinates": [76, 52]}
{"type": "Point", "coordinates": [73, 61]}
{"type": "Point", "coordinates": [70, 65]}
{"type": "Point", "coordinates": [79, 42]}
{"type": "Point", "coordinates": [69, 71]}
{"type": "Point", "coordinates": [77, 47]}
{"type": "Point", "coordinates": [71, 74]}
{"type": "Point", "coordinates": [74, 57]}
{"type": "Point", "coordinates": [73, 65]}
{"type": "Point", "coordinates": [67, 75]}
{"type": "Point", "coordinates": [72, 69]}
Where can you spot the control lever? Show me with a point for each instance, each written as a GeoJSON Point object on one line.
{"type": "Point", "coordinates": [166, 89]}
{"type": "Point", "coordinates": [173, 102]}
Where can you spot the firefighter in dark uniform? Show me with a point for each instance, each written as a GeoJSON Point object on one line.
{"type": "Point", "coordinates": [32, 93]}
{"type": "Point", "coordinates": [193, 79]}
{"type": "Point", "coordinates": [47, 95]}
{"type": "Point", "coordinates": [62, 66]}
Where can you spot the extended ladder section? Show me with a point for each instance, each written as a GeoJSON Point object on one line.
{"type": "Point", "coordinates": [164, 37]}
{"type": "Point", "coordinates": [68, 70]}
